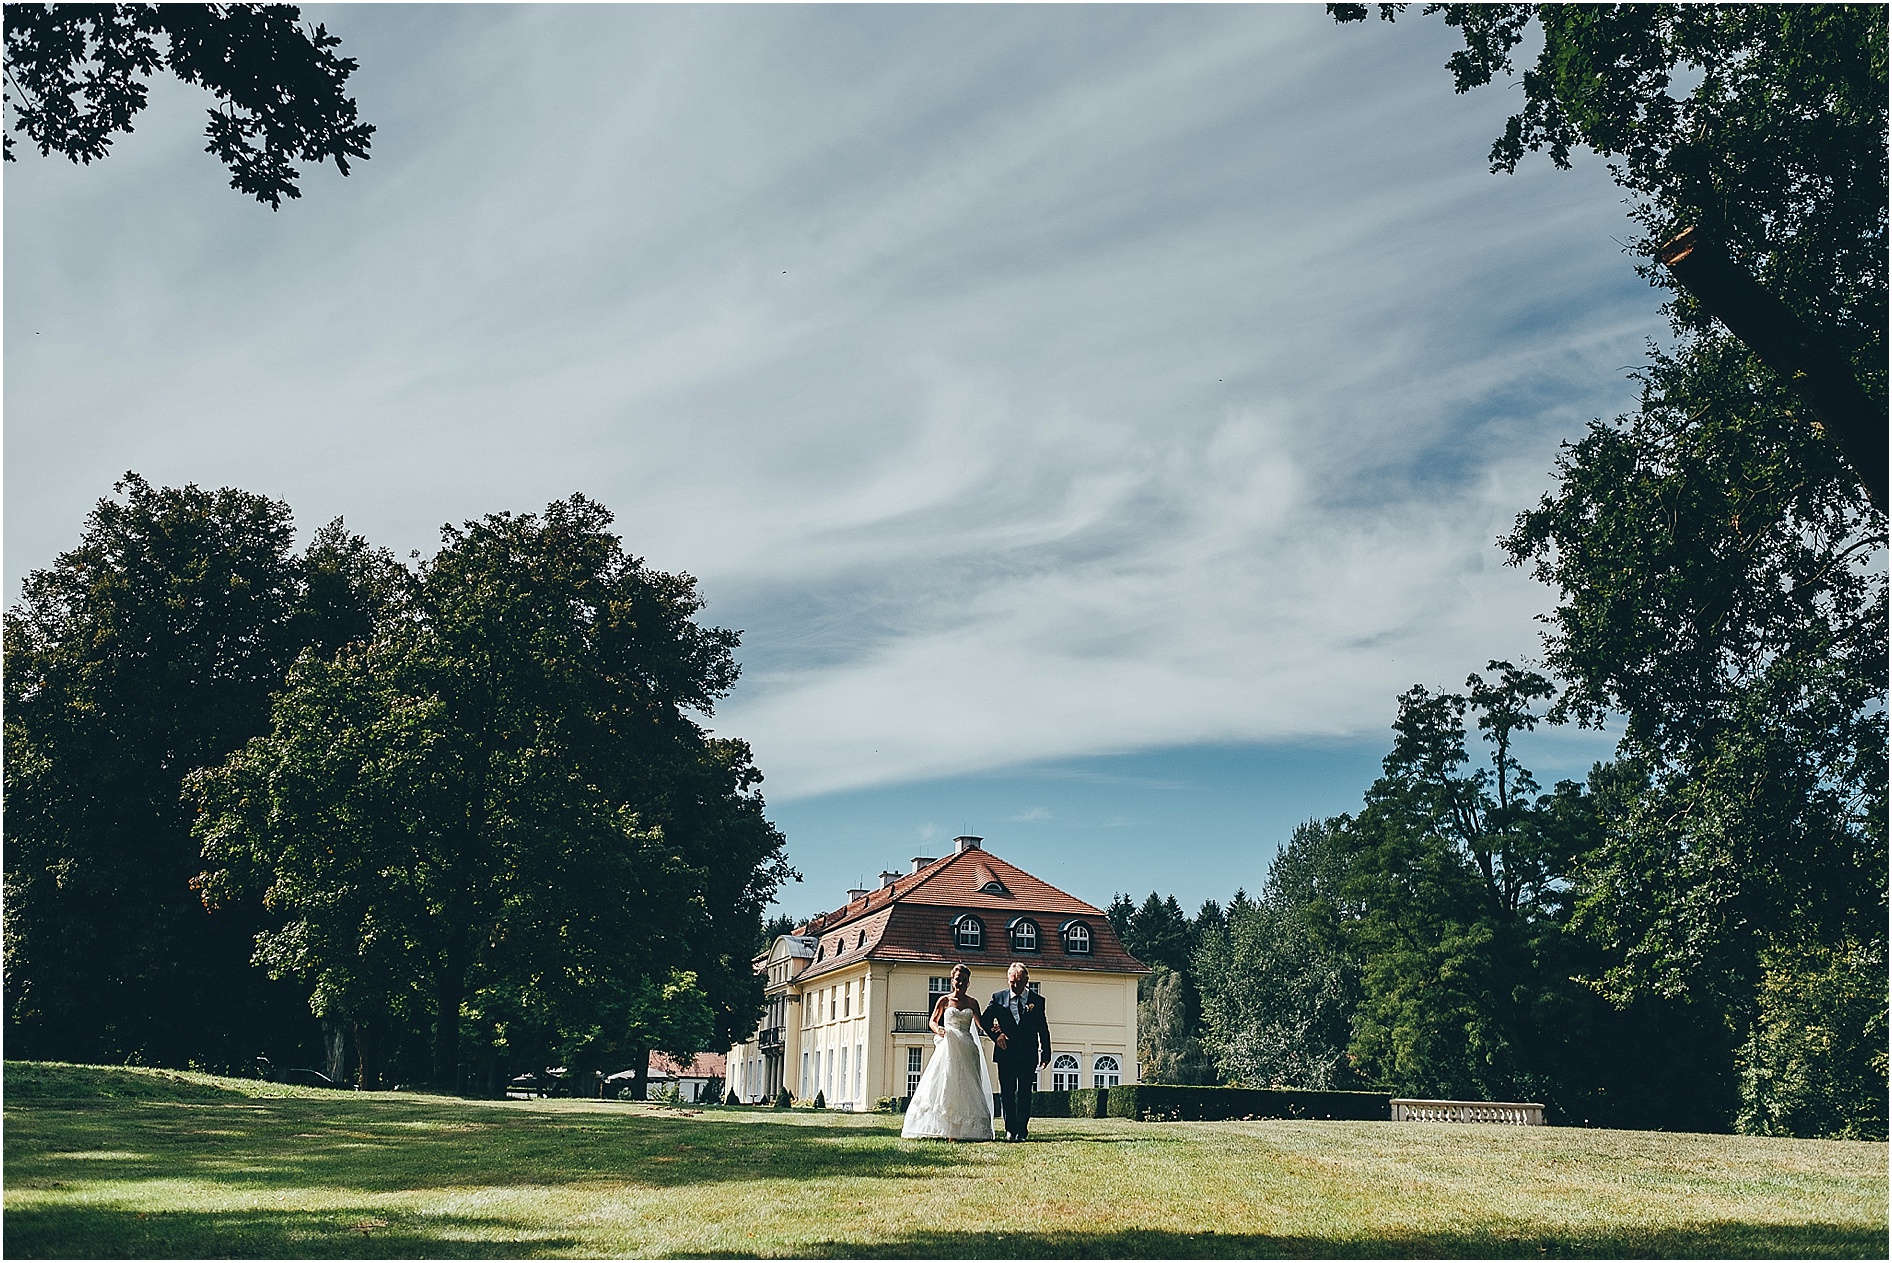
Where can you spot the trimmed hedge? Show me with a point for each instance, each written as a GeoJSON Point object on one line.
{"type": "Point", "coordinates": [1163, 1102]}
{"type": "Point", "coordinates": [1089, 1102]}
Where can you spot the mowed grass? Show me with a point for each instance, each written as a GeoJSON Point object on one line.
{"type": "Point", "coordinates": [104, 1162]}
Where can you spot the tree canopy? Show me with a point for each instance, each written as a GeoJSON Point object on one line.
{"type": "Point", "coordinates": [498, 805]}
{"type": "Point", "coordinates": [463, 811]}
{"type": "Point", "coordinates": [1720, 569]}
{"type": "Point", "coordinates": [149, 649]}
{"type": "Point", "coordinates": [76, 78]}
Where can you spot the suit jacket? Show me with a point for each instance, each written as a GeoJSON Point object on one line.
{"type": "Point", "coordinates": [1025, 1039]}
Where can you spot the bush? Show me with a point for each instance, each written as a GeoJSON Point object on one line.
{"type": "Point", "coordinates": [821, 1100]}
{"type": "Point", "coordinates": [1050, 1104]}
{"type": "Point", "coordinates": [732, 1098]}
{"type": "Point", "coordinates": [783, 1100]}
{"type": "Point", "coordinates": [1816, 1062]}
{"type": "Point", "coordinates": [1170, 1102]}
{"type": "Point", "coordinates": [891, 1105]}
{"type": "Point", "coordinates": [1088, 1102]}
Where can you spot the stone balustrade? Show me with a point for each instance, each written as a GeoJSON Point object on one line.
{"type": "Point", "coordinates": [1515, 1113]}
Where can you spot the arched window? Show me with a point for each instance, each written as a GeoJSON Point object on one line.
{"type": "Point", "coordinates": [969, 933]}
{"type": "Point", "coordinates": [1077, 938]}
{"type": "Point", "coordinates": [994, 887]}
{"type": "Point", "coordinates": [1063, 1072]}
{"type": "Point", "coordinates": [862, 940]}
{"type": "Point", "coordinates": [1024, 935]}
{"type": "Point", "coordinates": [1104, 1072]}
{"type": "Point", "coordinates": [821, 953]}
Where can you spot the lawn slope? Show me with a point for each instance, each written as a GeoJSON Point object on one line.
{"type": "Point", "coordinates": [103, 1162]}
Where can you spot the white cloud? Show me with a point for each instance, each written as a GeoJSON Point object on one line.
{"type": "Point", "coordinates": [1025, 382]}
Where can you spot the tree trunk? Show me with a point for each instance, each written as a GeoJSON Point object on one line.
{"type": "Point", "coordinates": [1803, 357]}
{"type": "Point", "coordinates": [640, 1074]}
{"type": "Point", "coordinates": [449, 989]}
{"type": "Point", "coordinates": [334, 1049]}
{"type": "Point", "coordinates": [367, 1056]}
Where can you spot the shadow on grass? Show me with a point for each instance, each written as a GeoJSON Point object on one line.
{"type": "Point", "coordinates": [1706, 1240]}
{"type": "Point", "coordinates": [390, 1145]}
{"type": "Point", "coordinates": [84, 1232]}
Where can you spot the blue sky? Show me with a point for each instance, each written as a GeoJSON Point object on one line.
{"type": "Point", "coordinates": [1092, 416]}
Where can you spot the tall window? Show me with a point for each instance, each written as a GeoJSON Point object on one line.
{"type": "Point", "coordinates": [804, 1076]}
{"type": "Point", "coordinates": [1077, 939]}
{"type": "Point", "coordinates": [970, 934]}
{"type": "Point", "coordinates": [1063, 1072]}
{"type": "Point", "coordinates": [847, 1000]}
{"type": "Point", "coordinates": [833, 1002]}
{"type": "Point", "coordinates": [860, 1071]}
{"type": "Point", "coordinates": [935, 988]}
{"type": "Point", "coordinates": [1024, 935]}
{"type": "Point", "coordinates": [1104, 1072]}
{"type": "Point", "coordinates": [913, 1070]}
{"type": "Point", "coordinates": [844, 1070]}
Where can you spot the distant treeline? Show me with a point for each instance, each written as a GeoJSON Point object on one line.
{"type": "Point", "coordinates": [1468, 936]}
{"type": "Point", "coordinates": [442, 821]}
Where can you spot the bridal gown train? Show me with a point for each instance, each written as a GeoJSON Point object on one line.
{"type": "Point", "coordinates": [954, 1098]}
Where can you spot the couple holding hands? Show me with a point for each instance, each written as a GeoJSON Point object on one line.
{"type": "Point", "coordinates": [954, 1098]}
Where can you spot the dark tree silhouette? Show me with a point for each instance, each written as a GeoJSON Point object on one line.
{"type": "Point", "coordinates": [76, 76]}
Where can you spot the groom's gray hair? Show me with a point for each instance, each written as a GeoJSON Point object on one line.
{"type": "Point", "coordinates": [1018, 967]}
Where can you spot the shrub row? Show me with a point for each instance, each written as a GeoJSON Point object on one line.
{"type": "Point", "coordinates": [1165, 1102]}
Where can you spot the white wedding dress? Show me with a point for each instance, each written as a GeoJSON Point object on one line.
{"type": "Point", "coordinates": [954, 1098]}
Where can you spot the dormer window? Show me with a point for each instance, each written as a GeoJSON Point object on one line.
{"type": "Point", "coordinates": [862, 940]}
{"type": "Point", "coordinates": [821, 953]}
{"type": "Point", "coordinates": [993, 887]}
{"type": "Point", "coordinates": [1077, 938]}
{"type": "Point", "coordinates": [1024, 935]}
{"type": "Point", "coordinates": [969, 933]}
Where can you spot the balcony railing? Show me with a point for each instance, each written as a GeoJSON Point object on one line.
{"type": "Point", "coordinates": [770, 1037]}
{"type": "Point", "coordinates": [911, 1023]}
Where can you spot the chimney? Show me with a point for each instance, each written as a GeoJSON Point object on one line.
{"type": "Point", "coordinates": [887, 878]}
{"type": "Point", "coordinates": [921, 861]}
{"type": "Point", "coordinates": [964, 843]}
{"type": "Point", "coordinates": [852, 895]}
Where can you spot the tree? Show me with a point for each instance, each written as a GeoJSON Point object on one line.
{"type": "Point", "coordinates": [776, 926]}
{"type": "Point", "coordinates": [1453, 904]}
{"type": "Point", "coordinates": [1158, 932]}
{"type": "Point", "coordinates": [1718, 563]}
{"type": "Point", "coordinates": [1778, 151]}
{"type": "Point", "coordinates": [1815, 1064]}
{"type": "Point", "coordinates": [499, 809]}
{"type": "Point", "coordinates": [1278, 992]}
{"type": "Point", "coordinates": [1167, 1048]}
{"type": "Point", "coordinates": [76, 76]}
{"type": "Point", "coordinates": [149, 650]}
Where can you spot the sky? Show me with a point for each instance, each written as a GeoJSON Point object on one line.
{"type": "Point", "coordinates": [1092, 416]}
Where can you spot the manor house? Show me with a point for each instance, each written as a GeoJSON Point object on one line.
{"type": "Point", "coordinates": [849, 993]}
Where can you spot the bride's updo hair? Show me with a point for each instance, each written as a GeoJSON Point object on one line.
{"type": "Point", "coordinates": [960, 971]}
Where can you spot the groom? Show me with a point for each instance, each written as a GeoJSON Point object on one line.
{"type": "Point", "coordinates": [1016, 1021]}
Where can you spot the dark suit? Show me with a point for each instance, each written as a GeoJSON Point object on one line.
{"type": "Point", "coordinates": [1025, 1036]}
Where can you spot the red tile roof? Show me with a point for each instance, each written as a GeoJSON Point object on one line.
{"type": "Point", "coordinates": [706, 1066]}
{"type": "Point", "coordinates": [912, 920]}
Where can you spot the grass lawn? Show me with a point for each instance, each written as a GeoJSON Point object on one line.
{"type": "Point", "coordinates": [107, 1163]}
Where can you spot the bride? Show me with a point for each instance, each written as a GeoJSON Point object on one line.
{"type": "Point", "coordinates": [954, 1098]}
